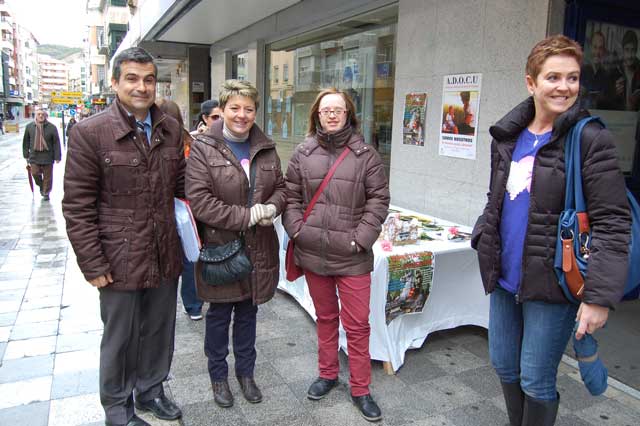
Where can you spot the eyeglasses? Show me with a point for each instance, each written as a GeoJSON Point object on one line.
{"type": "Point", "coordinates": [214, 117]}
{"type": "Point", "coordinates": [337, 112]}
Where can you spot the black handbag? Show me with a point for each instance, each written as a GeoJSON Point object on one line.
{"type": "Point", "coordinates": [228, 263]}
{"type": "Point", "coordinates": [224, 264]}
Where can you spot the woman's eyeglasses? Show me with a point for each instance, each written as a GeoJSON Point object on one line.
{"type": "Point", "coordinates": [337, 112]}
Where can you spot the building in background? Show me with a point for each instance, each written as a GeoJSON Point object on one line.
{"type": "Point", "coordinates": [12, 100]}
{"type": "Point", "coordinates": [107, 22]}
{"type": "Point", "coordinates": [53, 76]}
{"type": "Point", "coordinates": [77, 67]}
{"type": "Point", "coordinates": [27, 54]}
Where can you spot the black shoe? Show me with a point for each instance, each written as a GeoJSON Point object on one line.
{"type": "Point", "coordinates": [250, 389]}
{"type": "Point", "coordinates": [539, 413]}
{"type": "Point", "coordinates": [45, 197]}
{"type": "Point", "coordinates": [514, 400]}
{"type": "Point", "coordinates": [161, 407]}
{"type": "Point", "coordinates": [135, 421]}
{"type": "Point", "coordinates": [368, 407]}
{"type": "Point", "coordinates": [222, 394]}
{"type": "Point", "coordinates": [320, 388]}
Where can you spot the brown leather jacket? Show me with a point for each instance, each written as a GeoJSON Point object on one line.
{"type": "Point", "coordinates": [218, 192]}
{"type": "Point", "coordinates": [118, 198]}
{"type": "Point", "coordinates": [352, 207]}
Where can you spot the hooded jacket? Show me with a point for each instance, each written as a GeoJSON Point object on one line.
{"type": "Point", "coordinates": [349, 212]}
{"type": "Point", "coordinates": [218, 192]}
{"type": "Point", "coordinates": [605, 196]}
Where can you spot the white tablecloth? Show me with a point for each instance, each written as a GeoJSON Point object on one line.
{"type": "Point", "coordinates": [457, 297]}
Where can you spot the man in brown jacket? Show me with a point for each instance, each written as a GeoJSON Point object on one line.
{"type": "Point", "coordinates": [124, 168]}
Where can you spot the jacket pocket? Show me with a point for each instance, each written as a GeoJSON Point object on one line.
{"type": "Point", "coordinates": [123, 172]}
{"type": "Point", "coordinates": [267, 179]}
{"type": "Point", "coordinates": [170, 161]}
{"type": "Point", "coordinates": [115, 241]}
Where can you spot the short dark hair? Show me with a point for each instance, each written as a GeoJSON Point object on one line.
{"type": "Point", "coordinates": [553, 45]}
{"type": "Point", "coordinates": [132, 54]}
{"type": "Point", "coordinates": [630, 37]}
{"type": "Point", "coordinates": [207, 106]}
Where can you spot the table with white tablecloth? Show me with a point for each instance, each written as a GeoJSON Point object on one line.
{"type": "Point", "coordinates": [456, 296]}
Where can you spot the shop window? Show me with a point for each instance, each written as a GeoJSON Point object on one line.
{"type": "Point", "coordinates": [359, 63]}
{"type": "Point", "coordinates": [239, 64]}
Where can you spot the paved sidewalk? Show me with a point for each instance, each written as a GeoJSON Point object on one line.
{"type": "Point", "coordinates": [50, 331]}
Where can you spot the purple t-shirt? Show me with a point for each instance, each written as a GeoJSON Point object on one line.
{"type": "Point", "coordinates": [515, 207]}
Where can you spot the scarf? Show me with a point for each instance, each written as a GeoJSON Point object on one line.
{"type": "Point", "coordinates": [231, 137]}
{"type": "Point", "coordinates": [40, 144]}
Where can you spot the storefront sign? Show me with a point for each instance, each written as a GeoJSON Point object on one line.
{"type": "Point", "coordinates": [459, 125]}
{"type": "Point", "coordinates": [197, 86]}
{"type": "Point", "coordinates": [415, 112]}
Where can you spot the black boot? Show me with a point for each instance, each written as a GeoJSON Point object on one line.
{"type": "Point", "coordinates": [514, 399]}
{"type": "Point", "coordinates": [539, 413]}
{"type": "Point", "coordinates": [367, 407]}
{"type": "Point", "coordinates": [222, 394]}
{"type": "Point", "coordinates": [249, 389]}
{"type": "Point", "coordinates": [320, 388]}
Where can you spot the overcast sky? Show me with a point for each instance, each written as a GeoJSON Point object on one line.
{"type": "Point", "coordinates": [52, 21]}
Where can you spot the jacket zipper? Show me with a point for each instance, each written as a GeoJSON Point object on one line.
{"type": "Point", "coordinates": [325, 224]}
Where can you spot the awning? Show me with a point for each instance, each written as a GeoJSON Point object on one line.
{"type": "Point", "coordinates": [14, 100]}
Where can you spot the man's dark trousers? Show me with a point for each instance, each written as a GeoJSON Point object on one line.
{"type": "Point", "coordinates": [136, 348]}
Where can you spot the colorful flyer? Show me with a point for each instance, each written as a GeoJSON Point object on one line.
{"type": "Point", "coordinates": [410, 278]}
{"type": "Point", "coordinates": [415, 112]}
{"type": "Point", "coordinates": [460, 107]}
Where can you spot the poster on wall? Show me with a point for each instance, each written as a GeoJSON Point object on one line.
{"type": "Point", "coordinates": [410, 278]}
{"type": "Point", "coordinates": [415, 112]}
{"type": "Point", "coordinates": [460, 104]}
{"type": "Point", "coordinates": [610, 83]}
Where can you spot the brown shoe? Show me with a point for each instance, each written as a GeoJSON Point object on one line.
{"type": "Point", "coordinates": [222, 394]}
{"type": "Point", "coordinates": [250, 389]}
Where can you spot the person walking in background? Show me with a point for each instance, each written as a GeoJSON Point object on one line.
{"type": "Point", "coordinates": [41, 148]}
{"type": "Point", "coordinates": [210, 112]}
{"type": "Point", "coordinates": [530, 319]}
{"type": "Point", "coordinates": [124, 168]}
{"type": "Point", "coordinates": [192, 304]}
{"type": "Point", "coordinates": [235, 188]}
{"type": "Point", "coordinates": [334, 245]}
{"type": "Point", "coordinates": [2, 123]}
{"type": "Point", "coordinates": [72, 122]}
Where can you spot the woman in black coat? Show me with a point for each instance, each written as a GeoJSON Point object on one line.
{"type": "Point", "coordinates": [530, 319]}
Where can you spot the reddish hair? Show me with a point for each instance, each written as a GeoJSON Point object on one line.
{"type": "Point", "coordinates": [553, 45]}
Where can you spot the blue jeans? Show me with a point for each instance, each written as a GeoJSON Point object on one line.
{"type": "Point", "coordinates": [527, 340]}
{"type": "Point", "coordinates": [190, 300]}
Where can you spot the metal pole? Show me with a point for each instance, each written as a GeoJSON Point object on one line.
{"type": "Point", "coordinates": [64, 140]}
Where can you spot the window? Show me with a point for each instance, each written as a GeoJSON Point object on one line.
{"type": "Point", "coordinates": [361, 64]}
{"type": "Point", "coordinates": [118, 3]}
{"type": "Point", "coordinates": [239, 65]}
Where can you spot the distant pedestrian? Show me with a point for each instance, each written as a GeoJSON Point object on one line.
{"type": "Point", "coordinates": [124, 168]}
{"type": "Point", "coordinates": [2, 123]}
{"type": "Point", "coordinates": [72, 122]}
{"type": "Point", "coordinates": [41, 148]}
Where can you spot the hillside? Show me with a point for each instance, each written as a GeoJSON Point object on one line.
{"type": "Point", "coordinates": [57, 51]}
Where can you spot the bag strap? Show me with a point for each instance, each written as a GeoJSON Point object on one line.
{"type": "Point", "coordinates": [574, 195]}
{"type": "Point", "coordinates": [324, 183]}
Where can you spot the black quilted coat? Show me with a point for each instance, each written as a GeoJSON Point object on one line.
{"type": "Point", "coordinates": [604, 193]}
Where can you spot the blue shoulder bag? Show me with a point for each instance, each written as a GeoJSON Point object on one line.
{"type": "Point", "coordinates": [573, 245]}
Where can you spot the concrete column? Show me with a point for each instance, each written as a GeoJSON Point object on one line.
{"type": "Point", "coordinates": [220, 70]}
{"type": "Point", "coordinates": [256, 72]}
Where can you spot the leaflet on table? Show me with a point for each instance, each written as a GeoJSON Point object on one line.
{"type": "Point", "coordinates": [409, 283]}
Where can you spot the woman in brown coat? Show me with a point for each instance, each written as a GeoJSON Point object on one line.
{"type": "Point", "coordinates": [334, 245]}
{"type": "Point", "coordinates": [235, 187]}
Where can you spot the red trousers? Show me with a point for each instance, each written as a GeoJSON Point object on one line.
{"type": "Point", "coordinates": [353, 311]}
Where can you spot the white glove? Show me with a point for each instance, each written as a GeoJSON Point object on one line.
{"type": "Point", "coordinates": [261, 211]}
{"type": "Point", "coordinates": [271, 214]}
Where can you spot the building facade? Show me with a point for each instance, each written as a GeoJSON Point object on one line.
{"type": "Point", "coordinates": [27, 54]}
{"type": "Point", "coordinates": [53, 77]}
{"type": "Point", "coordinates": [380, 52]}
